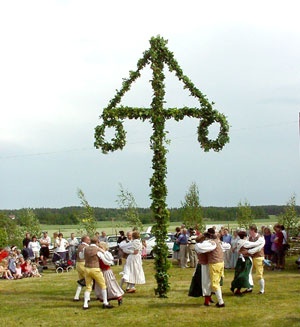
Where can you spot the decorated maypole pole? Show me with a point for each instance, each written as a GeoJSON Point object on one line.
{"type": "Point", "coordinates": [113, 115]}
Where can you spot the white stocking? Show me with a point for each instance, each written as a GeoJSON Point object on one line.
{"type": "Point", "coordinates": [219, 296]}
{"type": "Point", "coordinates": [79, 288]}
{"type": "Point", "coordinates": [86, 299]}
{"type": "Point", "coordinates": [262, 285]}
{"type": "Point", "coordinates": [104, 296]}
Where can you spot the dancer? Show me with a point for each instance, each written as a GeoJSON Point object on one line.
{"type": "Point", "coordinates": [85, 241]}
{"type": "Point", "coordinates": [114, 291]}
{"type": "Point", "coordinates": [92, 253]}
{"type": "Point", "coordinates": [243, 268]}
{"type": "Point", "coordinates": [133, 272]}
{"type": "Point", "coordinates": [201, 285]}
{"type": "Point", "coordinates": [214, 249]}
{"type": "Point", "coordinates": [255, 246]}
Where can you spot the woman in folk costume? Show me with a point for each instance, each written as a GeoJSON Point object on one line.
{"type": "Point", "coordinates": [114, 291]}
{"type": "Point", "coordinates": [133, 272]}
{"type": "Point", "coordinates": [201, 285]}
{"type": "Point", "coordinates": [214, 249]}
{"type": "Point", "coordinates": [243, 268]}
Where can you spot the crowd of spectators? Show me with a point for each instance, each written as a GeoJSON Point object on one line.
{"type": "Point", "coordinates": [275, 249]}
{"type": "Point", "coordinates": [13, 265]}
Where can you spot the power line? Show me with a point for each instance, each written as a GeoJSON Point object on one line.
{"type": "Point", "coordinates": [145, 141]}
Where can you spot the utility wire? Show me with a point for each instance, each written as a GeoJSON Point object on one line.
{"type": "Point", "coordinates": [145, 141]}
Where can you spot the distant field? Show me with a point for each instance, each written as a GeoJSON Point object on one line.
{"type": "Point", "coordinates": [113, 228]}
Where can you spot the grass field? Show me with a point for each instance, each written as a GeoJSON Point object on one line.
{"type": "Point", "coordinates": [47, 301]}
{"type": "Point", "coordinates": [112, 228]}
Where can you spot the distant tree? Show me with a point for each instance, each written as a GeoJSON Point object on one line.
{"type": "Point", "coordinates": [29, 222]}
{"type": "Point", "coordinates": [289, 217]}
{"type": "Point", "coordinates": [127, 204]}
{"type": "Point", "coordinates": [244, 215]}
{"type": "Point", "coordinates": [10, 232]}
{"type": "Point", "coordinates": [87, 218]}
{"type": "Point", "coordinates": [192, 213]}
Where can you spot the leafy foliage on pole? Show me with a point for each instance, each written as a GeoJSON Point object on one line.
{"type": "Point", "coordinates": [113, 115]}
{"type": "Point", "coordinates": [192, 212]}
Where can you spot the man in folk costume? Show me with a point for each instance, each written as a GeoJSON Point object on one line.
{"type": "Point", "coordinates": [85, 241]}
{"type": "Point", "coordinates": [214, 249]}
{"type": "Point", "coordinates": [201, 285]}
{"type": "Point", "coordinates": [91, 256]}
{"type": "Point", "coordinates": [256, 240]}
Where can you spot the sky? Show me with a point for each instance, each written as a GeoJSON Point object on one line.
{"type": "Point", "coordinates": [61, 63]}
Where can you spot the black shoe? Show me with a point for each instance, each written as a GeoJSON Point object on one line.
{"type": "Point", "coordinates": [220, 305]}
{"type": "Point", "coordinates": [232, 289]}
{"type": "Point", "coordinates": [81, 282]}
{"type": "Point", "coordinates": [120, 301]}
{"type": "Point", "coordinates": [236, 293]}
{"type": "Point", "coordinates": [107, 306]}
{"type": "Point", "coordinates": [247, 291]}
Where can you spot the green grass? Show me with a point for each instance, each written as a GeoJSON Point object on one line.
{"type": "Point", "coordinates": [47, 301]}
{"type": "Point", "coordinates": [112, 227]}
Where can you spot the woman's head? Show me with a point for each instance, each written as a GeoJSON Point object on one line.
{"type": "Point", "coordinates": [103, 245]}
{"type": "Point", "coordinates": [135, 235]}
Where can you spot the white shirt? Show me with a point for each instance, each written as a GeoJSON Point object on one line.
{"type": "Point", "coordinates": [61, 244]}
{"type": "Point", "coordinates": [34, 246]}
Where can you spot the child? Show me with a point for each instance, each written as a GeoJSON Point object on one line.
{"type": "Point", "coordinates": [6, 274]}
{"type": "Point", "coordinates": [144, 249]}
{"type": "Point", "coordinates": [18, 274]}
{"type": "Point", "coordinates": [27, 268]}
{"type": "Point", "coordinates": [35, 271]}
{"type": "Point", "coordinates": [114, 291]}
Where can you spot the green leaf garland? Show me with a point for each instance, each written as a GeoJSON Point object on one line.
{"type": "Point", "coordinates": [113, 115]}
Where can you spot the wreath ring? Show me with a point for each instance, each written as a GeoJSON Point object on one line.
{"type": "Point", "coordinates": [222, 138]}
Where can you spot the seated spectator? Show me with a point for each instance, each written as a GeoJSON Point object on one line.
{"type": "Point", "coordinates": [12, 259]}
{"type": "Point", "coordinates": [35, 271]}
{"type": "Point", "coordinates": [18, 274]}
{"type": "Point", "coordinates": [6, 273]}
{"type": "Point", "coordinates": [27, 268]}
{"type": "Point", "coordinates": [4, 253]}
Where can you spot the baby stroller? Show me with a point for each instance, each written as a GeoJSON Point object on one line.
{"type": "Point", "coordinates": [61, 264]}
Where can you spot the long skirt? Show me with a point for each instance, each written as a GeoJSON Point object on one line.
{"type": "Point", "coordinates": [133, 270]}
{"type": "Point", "coordinates": [114, 291]}
{"type": "Point", "coordinates": [200, 284]}
{"type": "Point", "coordinates": [242, 274]}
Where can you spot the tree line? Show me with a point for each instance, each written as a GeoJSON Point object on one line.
{"type": "Point", "coordinates": [71, 215]}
